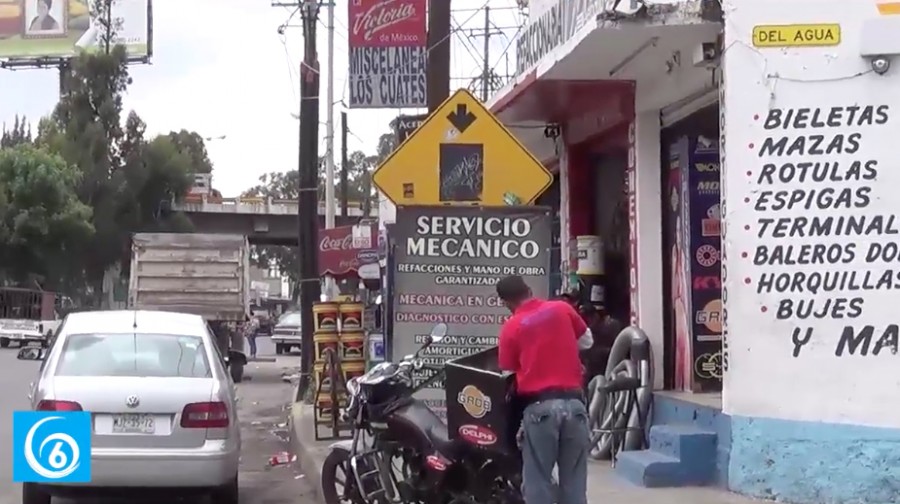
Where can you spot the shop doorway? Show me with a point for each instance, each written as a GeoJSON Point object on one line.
{"type": "Point", "coordinates": [691, 269]}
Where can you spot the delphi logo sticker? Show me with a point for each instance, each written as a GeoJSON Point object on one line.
{"type": "Point", "coordinates": [474, 401]}
{"type": "Point", "coordinates": [478, 434]}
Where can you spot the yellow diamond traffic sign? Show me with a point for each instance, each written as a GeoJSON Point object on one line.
{"type": "Point", "coordinates": [462, 154]}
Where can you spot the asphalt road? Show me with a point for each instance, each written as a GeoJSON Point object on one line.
{"type": "Point", "coordinates": [263, 401]}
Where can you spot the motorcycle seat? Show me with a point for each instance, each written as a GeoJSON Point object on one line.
{"type": "Point", "coordinates": [440, 438]}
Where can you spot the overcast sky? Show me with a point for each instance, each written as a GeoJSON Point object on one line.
{"type": "Point", "coordinates": [221, 68]}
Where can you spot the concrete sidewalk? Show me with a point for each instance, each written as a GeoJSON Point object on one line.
{"type": "Point", "coordinates": [603, 485]}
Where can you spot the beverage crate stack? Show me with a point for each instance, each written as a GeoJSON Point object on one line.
{"type": "Point", "coordinates": [352, 340]}
{"type": "Point", "coordinates": [338, 329]}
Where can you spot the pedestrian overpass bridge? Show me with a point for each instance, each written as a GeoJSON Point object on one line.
{"type": "Point", "coordinates": [265, 221]}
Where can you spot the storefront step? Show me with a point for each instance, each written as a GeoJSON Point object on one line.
{"type": "Point", "coordinates": [679, 455]}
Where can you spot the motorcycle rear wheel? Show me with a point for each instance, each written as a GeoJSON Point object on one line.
{"type": "Point", "coordinates": [338, 484]}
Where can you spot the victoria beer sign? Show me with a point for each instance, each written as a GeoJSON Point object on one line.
{"type": "Point", "coordinates": [387, 40]}
{"type": "Point", "coordinates": [339, 255]}
{"type": "Point", "coordinates": [380, 23]}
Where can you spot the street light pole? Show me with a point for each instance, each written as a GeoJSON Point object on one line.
{"type": "Point", "coordinates": [329, 138]}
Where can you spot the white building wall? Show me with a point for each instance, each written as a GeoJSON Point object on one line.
{"type": "Point", "coordinates": [644, 137]}
{"type": "Point", "coordinates": [387, 211]}
{"type": "Point", "coordinates": [811, 309]}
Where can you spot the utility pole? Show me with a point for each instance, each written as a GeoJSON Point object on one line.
{"type": "Point", "coordinates": [438, 69]}
{"type": "Point", "coordinates": [329, 137]}
{"type": "Point", "coordinates": [486, 68]}
{"type": "Point", "coordinates": [487, 73]}
{"type": "Point", "coordinates": [345, 165]}
{"type": "Point", "coordinates": [307, 200]}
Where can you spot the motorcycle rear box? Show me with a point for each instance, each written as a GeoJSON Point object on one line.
{"type": "Point", "coordinates": [480, 405]}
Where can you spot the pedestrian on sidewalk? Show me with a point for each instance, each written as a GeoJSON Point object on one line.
{"type": "Point", "coordinates": [540, 343]}
{"type": "Point", "coordinates": [250, 330]}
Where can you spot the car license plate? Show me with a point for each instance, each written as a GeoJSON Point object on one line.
{"type": "Point", "coordinates": [134, 424]}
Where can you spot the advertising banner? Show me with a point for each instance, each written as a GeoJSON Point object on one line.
{"type": "Point", "coordinates": [340, 254]}
{"type": "Point", "coordinates": [388, 53]}
{"type": "Point", "coordinates": [405, 125]}
{"type": "Point", "coordinates": [705, 248]}
{"type": "Point", "coordinates": [677, 242]}
{"type": "Point", "coordinates": [447, 264]}
{"type": "Point", "coordinates": [39, 29]}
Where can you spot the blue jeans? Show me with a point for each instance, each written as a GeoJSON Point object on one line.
{"type": "Point", "coordinates": [556, 433]}
{"type": "Point", "coordinates": [251, 341]}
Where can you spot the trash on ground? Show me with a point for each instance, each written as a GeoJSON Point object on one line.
{"type": "Point", "coordinates": [281, 458]}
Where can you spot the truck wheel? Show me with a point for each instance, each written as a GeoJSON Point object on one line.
{"type": "Point", "coordinates": [237, 372]}
{"type": "Point", "coordinates": [4, 342]}
{"type": "Point", "coordinates": [279, 349]}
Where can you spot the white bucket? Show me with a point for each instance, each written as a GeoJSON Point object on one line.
{"type": "Point", "coordinates": [590, 255]}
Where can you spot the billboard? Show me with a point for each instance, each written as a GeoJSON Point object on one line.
{"type": "Point", "coordinates": [447, 261]}
{"type": "Point", "coordinates": [387, 53]}
{"type": "Point", "coordinates": [40, 29]}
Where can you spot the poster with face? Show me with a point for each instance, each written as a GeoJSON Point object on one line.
{"type": "Point", "coordinates": [45, 18]}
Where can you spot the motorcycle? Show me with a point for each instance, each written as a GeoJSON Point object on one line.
{"type": "Point", "coordinates": [401, 451]}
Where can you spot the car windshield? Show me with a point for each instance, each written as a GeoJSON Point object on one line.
{"type": "Point", "coordinates": [290, 319]}
{"type": "Point", "coordinates": [158, 355]}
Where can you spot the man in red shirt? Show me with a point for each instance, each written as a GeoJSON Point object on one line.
{"type": "Point", "coordinates": [540, 343]}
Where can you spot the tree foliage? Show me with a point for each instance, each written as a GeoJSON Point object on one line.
{"type": "Point", "coordinates": [191, 144]}
{"type": "Point", "coordinates": [122, 181]}
{"type": "Point", "coordinates": [43, 225]}
{"type": "Point", "coordinates": [19, 134]}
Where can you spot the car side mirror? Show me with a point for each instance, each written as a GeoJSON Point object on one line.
{"type": "Point", "coordinates": [31, 354]}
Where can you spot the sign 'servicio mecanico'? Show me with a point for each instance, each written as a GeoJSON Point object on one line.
{"type": "Point", "coordinates": [447, 264]}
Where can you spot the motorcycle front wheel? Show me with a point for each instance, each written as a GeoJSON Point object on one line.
{"type": "Point", "coordinates": [338, 484]}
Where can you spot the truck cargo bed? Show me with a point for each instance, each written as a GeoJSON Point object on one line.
{"type": "Point", "coordinates": [205, 274]}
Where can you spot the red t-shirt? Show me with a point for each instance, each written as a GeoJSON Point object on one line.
{"type": "Point", "coordinates": [540, 344]}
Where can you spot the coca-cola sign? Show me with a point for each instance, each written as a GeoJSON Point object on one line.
{"type": "Point", "coordinates": [339, 254]}
{"type": "Point", "coordinates": [329, 243]}
{"type": "Point", "coordinates": [380, 23]}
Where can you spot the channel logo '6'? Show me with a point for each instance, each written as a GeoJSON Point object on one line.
{"type": "Point", "coordinates": [51, 447]}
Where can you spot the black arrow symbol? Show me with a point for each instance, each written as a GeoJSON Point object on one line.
{"type": "Point", "coordinates": [461, 119]}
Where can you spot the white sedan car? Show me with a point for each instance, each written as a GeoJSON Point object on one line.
{"type": "Point", "coordinates": [162, 404]}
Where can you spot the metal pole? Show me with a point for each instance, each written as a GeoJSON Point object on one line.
{"type": "Point", "coordinates": [438, 69]}
{"type": "Point", "coordinates": [345, 165]}
{"type": "Point", "coordinates": [329, 138]}
{"type": "Point", "coordinates": [486, 69]}
{"type": "Point", "coordinates": [307, 199]}
{"type": "Point", "coordinates": [65, 74]}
